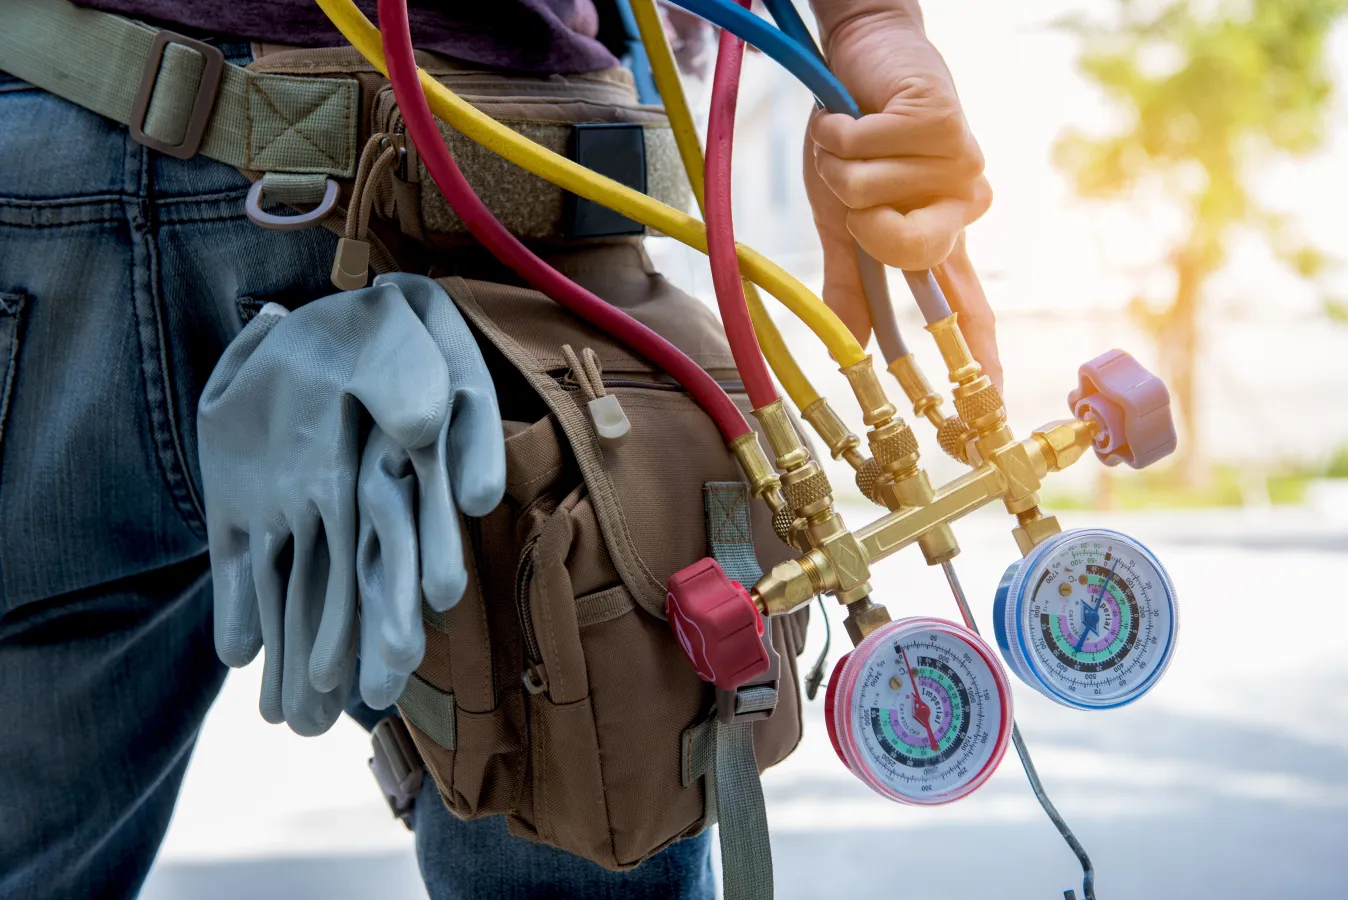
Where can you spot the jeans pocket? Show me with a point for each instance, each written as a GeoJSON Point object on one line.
{"type": "Point", "coordinates": [13, 305]}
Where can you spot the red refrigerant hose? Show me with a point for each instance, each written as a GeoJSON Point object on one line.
{"type": "Point", "coordinates": [725, 268]}
{"type": "Point", "coordinates": [396, 33]}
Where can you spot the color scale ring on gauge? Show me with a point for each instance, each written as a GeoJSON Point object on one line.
{"type": "Point", "coordinates": [1088, 619]}
{"type": "Point", "coordinates": [926, 746]}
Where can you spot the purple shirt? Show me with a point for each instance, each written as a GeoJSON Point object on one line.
{"type": "Point", "coordinates": [540, 36]}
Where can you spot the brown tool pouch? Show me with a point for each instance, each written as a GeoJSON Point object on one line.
{"type": "Point", "coordinates": [555, 693]}
{"type": "Point", "coordinates": [570, 694]}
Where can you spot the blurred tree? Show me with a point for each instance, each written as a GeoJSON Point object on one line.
{"type": "Point", "coordinates": [1210, 88]}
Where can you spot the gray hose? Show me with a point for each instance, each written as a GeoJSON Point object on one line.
{"type": "Point", "coordinates": [928, 295]}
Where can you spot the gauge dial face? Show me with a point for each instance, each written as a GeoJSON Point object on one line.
{"type": "Point", "coordinates": [1088, 619]}
{"type": "Point", "coordinates": [920, 711]}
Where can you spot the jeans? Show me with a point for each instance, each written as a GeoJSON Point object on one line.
{"type": "Point", "coordinates": [123, 275]}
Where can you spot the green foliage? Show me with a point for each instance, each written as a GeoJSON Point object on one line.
{"type": "Point", "coordinates": [1206, 95]}
{"type": "Point", "coordinates": [1207, 92]}
{"type": "Point", "coordinates": [1171, 488]}
{"type": "Point", "coordinates": [1336, 310]}
{"type": "Point", "coordinates": [1338, 464]}
{"type": "Point", "coordinates": [1222, 486]}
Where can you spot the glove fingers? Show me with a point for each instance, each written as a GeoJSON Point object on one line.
{"type": "Point", "coordinates": [268, 549]}
{"type": "Point", "coordinates": [400, 375]}
{"type": "Point", "coordinates": [380, 686]}
{"type": "Point", "coordinates": [238, 635]}
{"type": "Point", "coordinates": [307, 710]}
{"type": "Point", "coordinates": [477, 449]}
{"type": "Point", "coordinates": [335, 640]}
{"type": "Point", "coordinates": [388, 565]}
{"type": "Point", "coordinates": [443, 575]}
{"type": "Point", "coordinates": [476, 442]}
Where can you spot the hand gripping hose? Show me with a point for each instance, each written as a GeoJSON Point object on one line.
{"type": "Point", "coordinates": [725, 270]}
{"type": "Point", "coordinates": [481, 128]}
{"type": "Point", "coordinates": [479, 221]}
{"type": "Point", "coordinates": [802, 59]}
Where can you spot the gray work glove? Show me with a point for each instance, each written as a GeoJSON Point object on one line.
{"type": "Point", "coordinates": [279, 425]}
{"type": "Point", "coordinates": [410, 545]}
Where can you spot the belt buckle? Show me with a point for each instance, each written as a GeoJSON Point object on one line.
{"type": "Point", "coordinates": [202, 105]}
{"type": "Point", "coordinates": [728, 702]}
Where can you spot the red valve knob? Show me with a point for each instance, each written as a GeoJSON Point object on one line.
{"type": "Point", "coordinates": [1132, 407]}
{"type": "Point", "coordinates": [717, 625]}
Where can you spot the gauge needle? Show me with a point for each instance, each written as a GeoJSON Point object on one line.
{"type": "Point", "coordinates": [1090, 615]}
{"type": "Point", "coordinates": [921, 711]}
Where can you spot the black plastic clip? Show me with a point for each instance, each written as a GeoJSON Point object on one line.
{"type": "Point", "coordinates": [397, 767]}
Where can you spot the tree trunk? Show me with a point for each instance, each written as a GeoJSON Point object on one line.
{"type": "Point", "coordinates": [1179, 343]}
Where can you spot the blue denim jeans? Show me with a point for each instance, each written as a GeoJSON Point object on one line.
{"type": "Point", "coordinates": [123, 275]}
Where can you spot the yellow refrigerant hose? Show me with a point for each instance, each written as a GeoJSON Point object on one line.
{"type": "Point", "coordinates": [666, 74]}
{"type": "Point", "coordinates": [481, 128]}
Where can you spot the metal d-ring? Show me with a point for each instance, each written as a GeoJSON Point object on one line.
{"type": "Point", "coordinates": [253, 207]}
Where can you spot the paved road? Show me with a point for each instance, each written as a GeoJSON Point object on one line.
{"type": "Point", "coordinates": [1230, 780]}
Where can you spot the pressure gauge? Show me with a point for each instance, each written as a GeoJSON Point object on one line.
{"type": "Point", "coordinates": [1088, 619]}
{"type": "Point", "coordinates": [920, 711]}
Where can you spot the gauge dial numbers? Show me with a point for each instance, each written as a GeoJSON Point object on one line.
{"type": "Point", "coordinates": [1088, 619]}
{"type": "Point", "coordinates": [920, 711]}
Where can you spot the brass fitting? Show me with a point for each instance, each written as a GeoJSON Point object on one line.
{"type": "Point", "coordinates": [1023, 468]}
{"type": "Point", "coordinates": [1033, 529]}
{"type": "Point", "coordinates": [959, 361]}
{"type": "Point", "coordinates": [789, 585]}
{"type": "Point", "coordinates": [894, 447]}
{"type": "Point", "coordinates": [782, 436]}
{"type": "Point", "coordinates": [868, 479]}
{"type": "Point", "coordinates": [835, 553]}
{"type": "Point", "coordinates": [1063, 443]}
{"type": "Point", "coordinates": [875, 407]}
{"type": "Point", "coordinates": [954, 437]}
{"type": "Point", "coordinates": [782, 520]}
{"type": "Point", "coordinates": [1003, 469]}
{"type": "Point", "coordinates": [847, 569]}
{"type": "Point", "coordinates": [830, 427]}
{"type": "Point", "coordinates": [763, 480]}
{"type": "Point", "coordinates": [925, 400]}
{"type": "Point", "coordinates": [938, 544]}
{"type": "Point", "coordinates": [863, 617]}
{"type": "Point", "coordinates": [977, 401]}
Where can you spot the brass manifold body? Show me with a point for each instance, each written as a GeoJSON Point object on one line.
{"type": "Point", "coordinates": [836, 560]}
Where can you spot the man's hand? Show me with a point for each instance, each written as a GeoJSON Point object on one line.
{"type": "Point", "coordinates": [905, 179]}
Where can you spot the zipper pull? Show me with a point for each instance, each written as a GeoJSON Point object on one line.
{"type": "Point", "coordinates": [606, 413]}
{"type": "Point", "coordinates": [535, 678]}
{"type": "Point", "coordinates": [351, 265]}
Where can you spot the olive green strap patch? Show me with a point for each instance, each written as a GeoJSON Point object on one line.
{"type": "Point", "coordinates": [252, 121]}
{"type": "Point", "coordinates": [430, 709]}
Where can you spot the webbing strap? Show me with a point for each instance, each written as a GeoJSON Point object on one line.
{"type": "Point", "coordinates": [729, 532]}
{"type": "Point", "coordinates": [723, 754]}
{"type": "Point", "coordinates": [430, 709]}
{"type": "Point", "coordinates": [267, 123]}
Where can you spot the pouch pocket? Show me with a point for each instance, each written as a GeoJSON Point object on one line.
{"type": "Point", "coordinates": [592, 692]}
{"type": "Point", "coordinates": [606, 680]}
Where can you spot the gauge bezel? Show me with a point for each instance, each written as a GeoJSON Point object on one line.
{"type": "Point", "coordinates": [1010, 601]}
{"type": "Point", "coordinates": [845, 677]}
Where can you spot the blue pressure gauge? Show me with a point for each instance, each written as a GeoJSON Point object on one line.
{"type": "Point", "coordinates": [1088, 619]}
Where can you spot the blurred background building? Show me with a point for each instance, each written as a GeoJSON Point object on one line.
{"type": "Point", "coordinates": [1170, 178]}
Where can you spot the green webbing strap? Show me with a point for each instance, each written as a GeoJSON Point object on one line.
{"type": "Point", "coordinates": [729, 532]}
{"type": "Point", "coordinates": [724, 753]}
{"type": "Point", "coordinates": [267, 123]}
{"type": "Point", "coordinates": [430, 709]}
{"type": "Point", "coordinates": [293, 189]}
